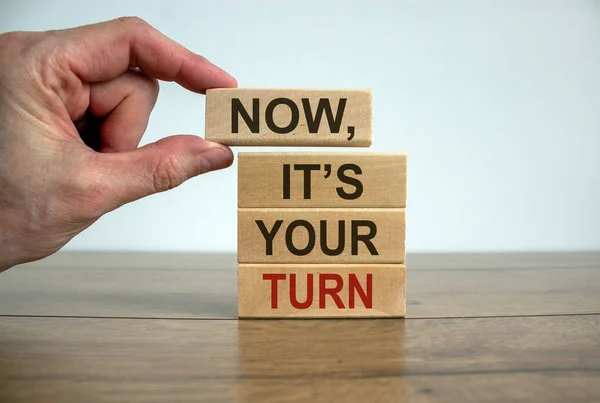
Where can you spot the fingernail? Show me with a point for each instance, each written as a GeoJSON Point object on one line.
{"type": "Point", "coordinates": [217, 145]}
{"type": "Point", "coordinates": [215, 158]}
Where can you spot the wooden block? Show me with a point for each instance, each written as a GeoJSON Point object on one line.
{"type": "Point", "coordinates": [288, 117]}
{"type": "Point", "coordinates": [321, 235]}
{"type": "Point", "coordinates": [315, 179]}
{"type": "Point", "coordinates": [326, 291]}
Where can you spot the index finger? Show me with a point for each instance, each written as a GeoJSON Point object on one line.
{"type": "Point", "coordinates": [103, 51]}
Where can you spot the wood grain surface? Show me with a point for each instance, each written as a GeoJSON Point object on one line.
{"type": "Point", "coordinates": [113, 360]}
{"type": "Point", "coordinates": [136, 328]}
{"type": "Point", "coordinates": [318, 179]}
{"type": "Point", "coordinates": [179, 285]}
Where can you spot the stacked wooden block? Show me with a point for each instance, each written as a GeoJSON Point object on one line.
{"type": "Point", "coordinates": [320, 234]}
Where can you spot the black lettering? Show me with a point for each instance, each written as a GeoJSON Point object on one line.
{"type": "Point", "coordinates": [237, 109]}
{"type": "Point", "coordinates": [307, 168]}
{"type": "Point", "coordinates": [313, 123]}
{"type": "Point", "coordinates": [364, 238]}
{"type": "Point", "coordinates": [350, 181]}
{"type": "Point", "coordinates": [269, 235]}
{"type": "Point", "coordinates": [286, 181]}
{"type": "Point", "coordinates": [341, 239]}
{"type": "Point", "coordinates": [350, 132]}
{"type": "Point", "coordinates": [290, 242]}
{"type": "Point", "coordinates": [293, 121]}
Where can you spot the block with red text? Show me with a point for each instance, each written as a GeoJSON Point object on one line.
{"type": "Point", "coordinates": [321, 291]}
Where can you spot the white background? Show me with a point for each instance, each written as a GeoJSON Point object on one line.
{"type": "Point", "coordinates": [497, 104]}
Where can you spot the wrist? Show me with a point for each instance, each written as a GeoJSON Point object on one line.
{"type": "Point", "coordinates": [5, 261]}
{"type": "Point", "coordinates": [9, 253]}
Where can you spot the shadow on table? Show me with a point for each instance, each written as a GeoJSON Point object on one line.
{"type": "Point", "coordinates": [321, 360]}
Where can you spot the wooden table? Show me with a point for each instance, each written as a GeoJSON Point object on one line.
{"type": "Point", "coordinates": [86, 327]}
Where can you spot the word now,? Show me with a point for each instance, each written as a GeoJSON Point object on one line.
{"type": "Point", "coordinates": [313, 122]}
{"type": "Point", "coordinates": [320, 179]}
{"type": "Point", "coordinates": [288, 117]}
{"type": "Point", "coordinates": [321, 290]}
{"type": "Point", "coordinates": [324, 289]}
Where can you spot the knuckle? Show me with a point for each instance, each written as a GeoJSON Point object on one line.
{"type": "Point", "coordinates": [150, 84]}
{"type": "Point", "coordinates": [13, 45]}
{"type": "Point", "coordinates": [10, 38]}
{"type": "Point", "coordinates": [23, 40]}
{"type": "Point", "coordinates": [153, 90]}
{"type": "Point", "coordinates": [35, 52]}
{"type": "Point", "coordinates": [168, 174]}
{"type": "Point", "coordinates": [154, 86]}
{"type": "Point", "coordinates": [16, 38]}
{"type": "Point", "coordinates": [134, 22]}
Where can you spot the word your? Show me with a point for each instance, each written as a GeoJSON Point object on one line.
{"type": "Point", "coordinates": [341, 175]}
{"type": "Point", "coordinates": [355, 237]}
{"type": "Point", "coordinates": [324, 289]}
{"type": "Point", "coordinates": [313, 121]}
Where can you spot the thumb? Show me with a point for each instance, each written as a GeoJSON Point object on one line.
{"type": "Point", "coordinates": [161, 166]}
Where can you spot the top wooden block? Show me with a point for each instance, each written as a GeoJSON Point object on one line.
{"type": "Point", "coordinates": [289, 117]}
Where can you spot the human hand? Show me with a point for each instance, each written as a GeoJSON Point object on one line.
{"type": "Point", "coordinates": [74, 105]}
